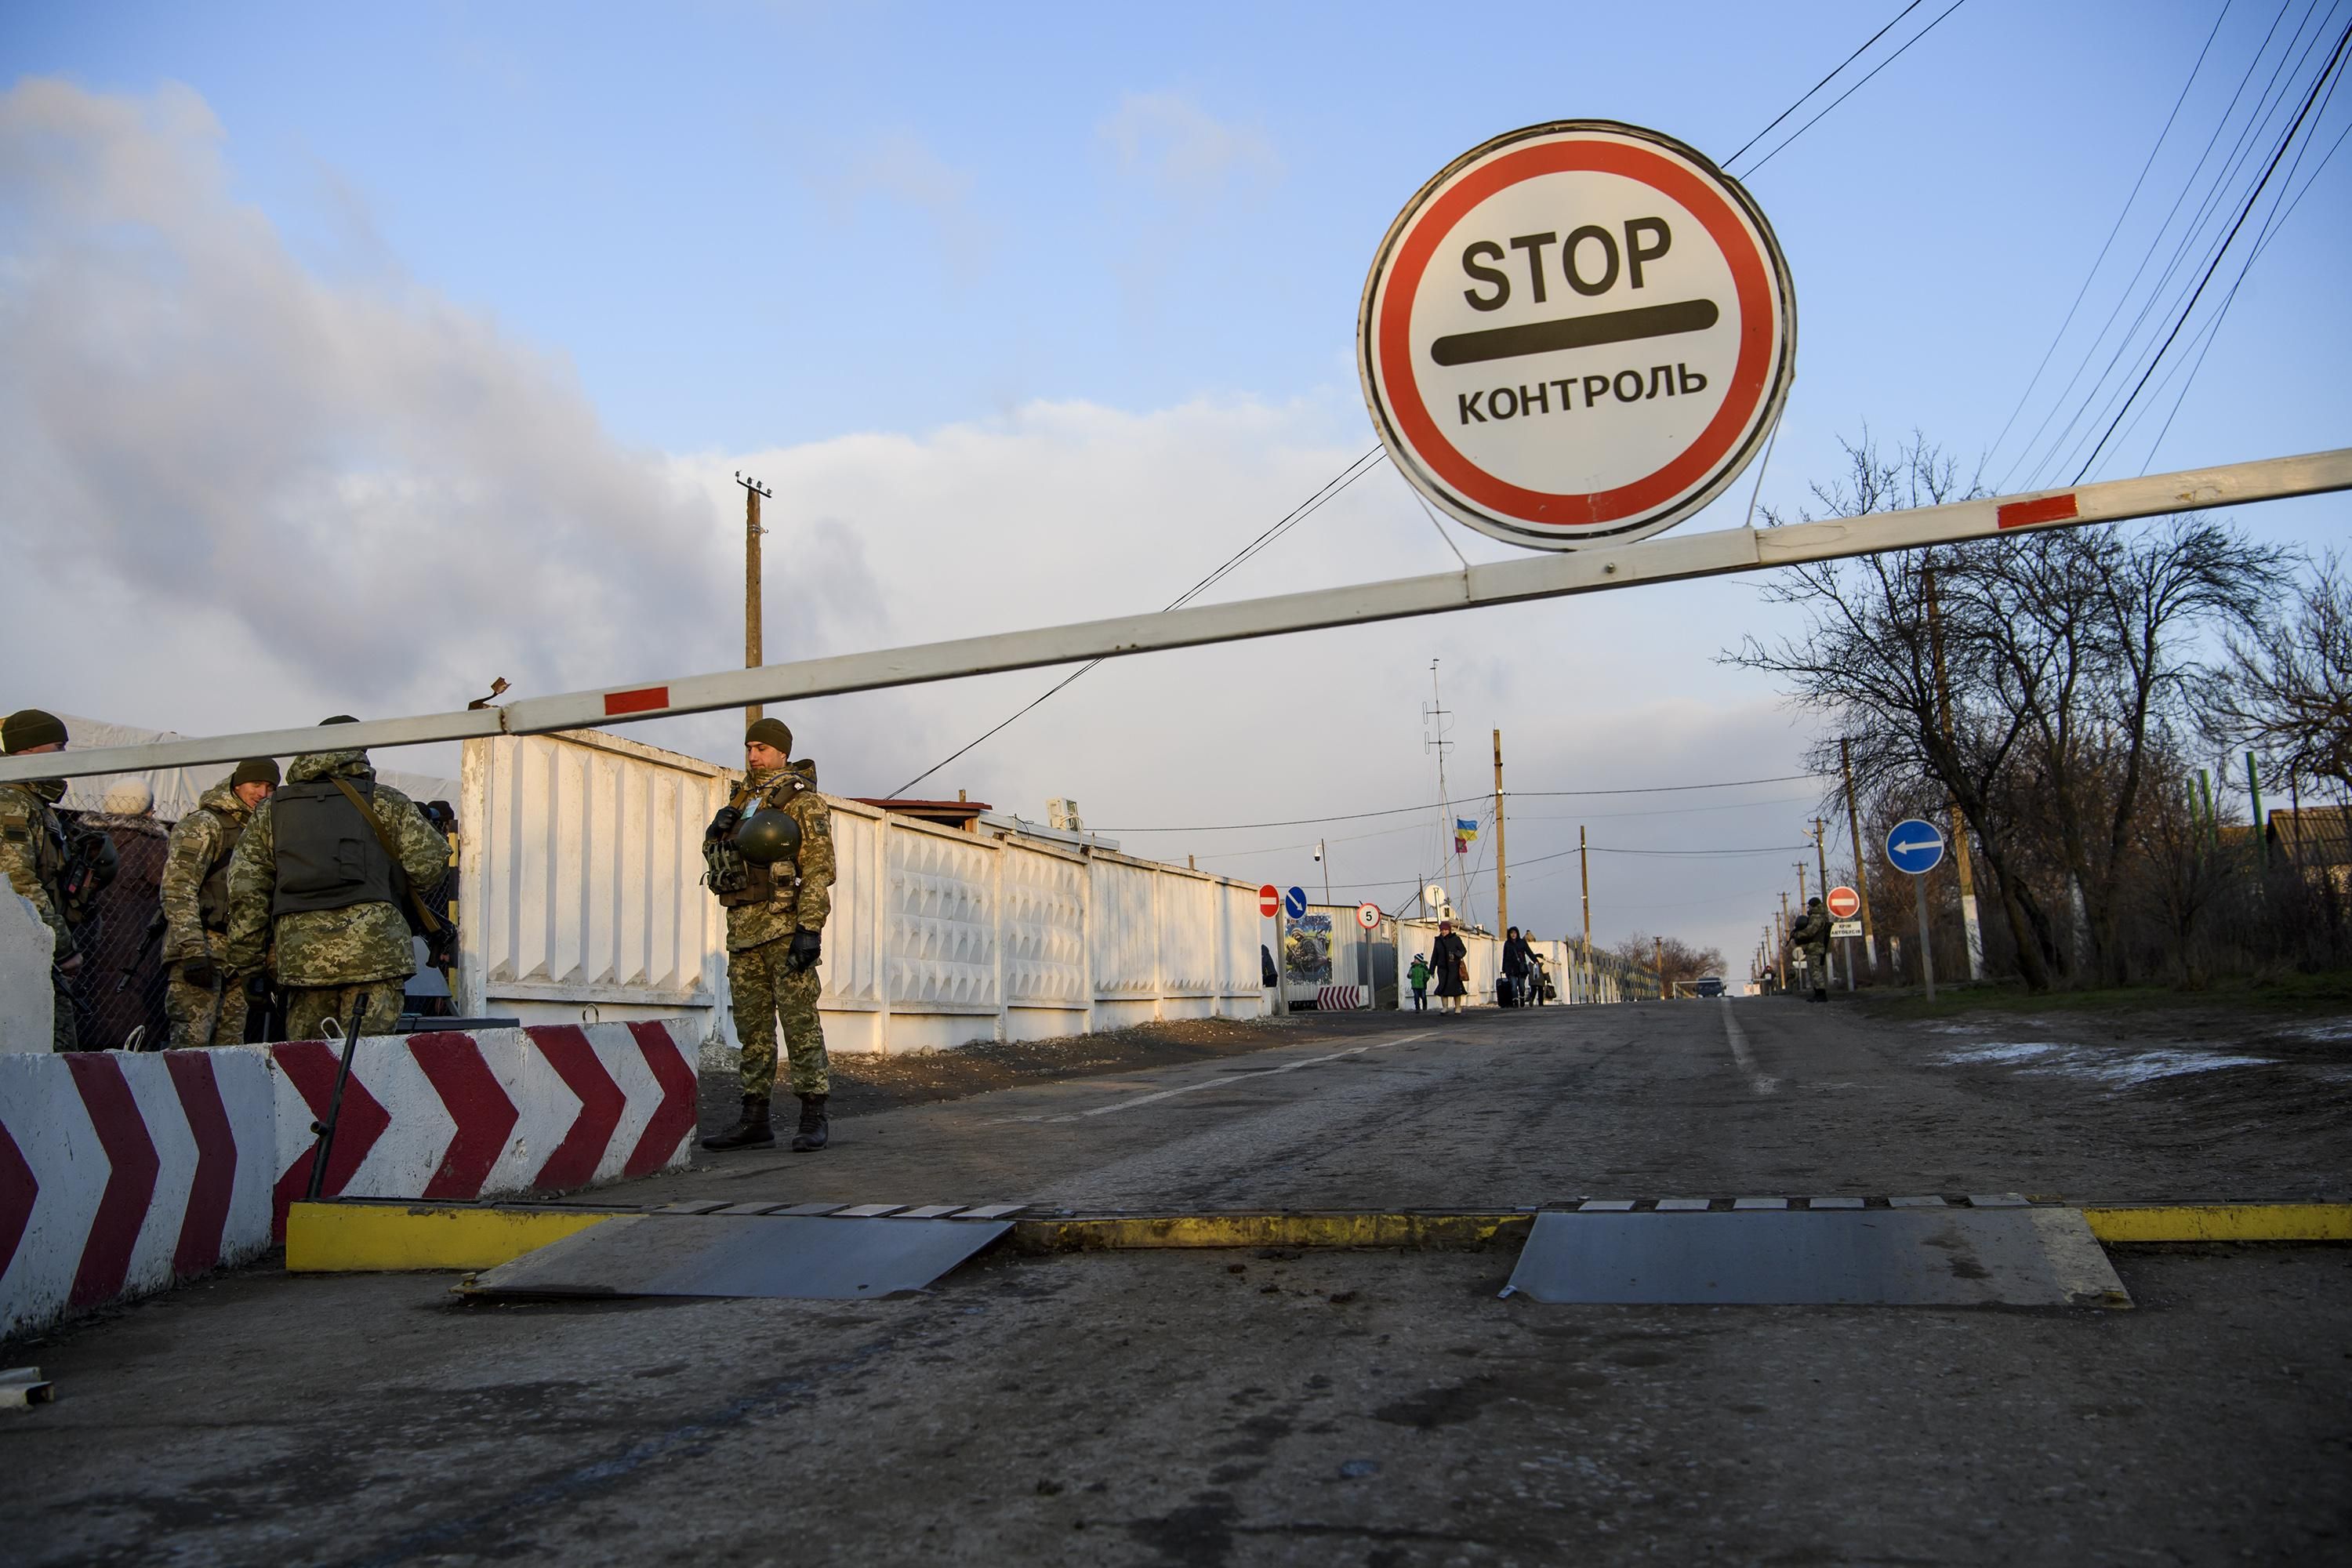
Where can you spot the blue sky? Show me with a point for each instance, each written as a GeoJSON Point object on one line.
{"type": "Point", "coordinates": [857, 243]}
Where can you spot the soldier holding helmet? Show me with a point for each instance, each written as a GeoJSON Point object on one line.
{"type": "Point", "coordinates": [769, 857]}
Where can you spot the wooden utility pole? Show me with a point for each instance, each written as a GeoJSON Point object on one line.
{"type": "Point", "coordinates": [1502, 872]}
{"type": "Point", "coordinates": [1658, 963]}
{"type": "Point", "coordinates": [1584, 874]}
{"type": "Point", "coordinates": [1861, 873]}
{"type": "Point", "coordinates": [753, 490]}
{"type": "Point", "coordinates": [1960, 862]}
{"type": "Point", "coordinates": [1822, 864]}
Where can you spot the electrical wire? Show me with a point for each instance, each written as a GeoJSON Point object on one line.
{"type": "Point", "coordinates": [1824, 82]}
{"type": "Point", "coordinates": [1468, 799]}
{"type": "Point", "coordinates": [1749, 173]}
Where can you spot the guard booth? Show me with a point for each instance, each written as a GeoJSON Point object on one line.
{"type": "Point", "coordinates": [1329, 961]}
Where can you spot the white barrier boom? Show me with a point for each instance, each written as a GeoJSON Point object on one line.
{"type": "Point", "coordinates": [1667, 560]}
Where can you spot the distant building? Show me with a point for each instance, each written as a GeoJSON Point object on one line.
{"type": "Point", "coordinates": [2317, 840]}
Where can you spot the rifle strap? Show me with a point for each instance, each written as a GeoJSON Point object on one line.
{"type": "Point", "coordinates": [424, 916]}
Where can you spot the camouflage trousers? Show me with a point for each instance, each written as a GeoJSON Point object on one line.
{"type": "Point", "coordinates": [308, 1008]}
{"type": "Point", "coordinates": [763, 993]}
{"type": "Point", "coordinates": [188, 1005]}
{"type": "Point", "coordinates": [62, 1034]}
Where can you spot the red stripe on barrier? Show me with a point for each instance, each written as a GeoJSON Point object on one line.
{"type": "Point", "coordinates": [574, 1161]}
{"type": "Point", "coordinates": [452, 1062]}
{"type": "Point", "coordinates": [131, 1166]}
{"type": "Point", "coordinates": [677, 1114]}
{"type": "Point", "coordinates": [19, 1190]}
{"type": "Point", "coordinates": [309, 1066]}
{"type": "Point", "coordinates": [644, 699]}
{"type": "Point", "coordinates": [2026, 514]}
{"type": "Point", "coordinates": [205, 1220]}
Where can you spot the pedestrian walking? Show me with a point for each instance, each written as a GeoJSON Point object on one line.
{"type": "Point", "coordinates": [1518, 965]}
{"type": "Point", "coordinates": [1451, 956]}
{"type": "Point", "coordinates": [200, 1004]}
{"type": "Point", "coordinates": [1811, 935]}
{"type": "Point", "coordinates": [768, 855]}
{"type": "Point", "coordinates": [1418, 977]}
{"type": "Point", "coordinates": [322, 887]}
{"type": "Point", "coordinates": [33, 851]}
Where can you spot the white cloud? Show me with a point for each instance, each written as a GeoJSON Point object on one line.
{"type": "Point", "coordinates": [1164, 137]}
{"type": "Point", "coordinates": [243, 495]}
{"type": "Point", "coordinates": [903, 168]}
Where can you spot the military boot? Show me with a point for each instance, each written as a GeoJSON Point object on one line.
{"type": "Point", "coordinates": [815, 1129]}
{"type": "Point", "coordinates": [752, 1132]}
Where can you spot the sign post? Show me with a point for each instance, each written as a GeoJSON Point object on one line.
{"type": "Point", "coordinates": [1367, 920]}
{"type": "Point", "coordinates": [1843, 904]}
{"type": "Point", "coordinates": [1577, 334]}
{"type": "Point", "coordinates": [1269, 905]}
{"type": "Point", "coordinates": [1916, 847]}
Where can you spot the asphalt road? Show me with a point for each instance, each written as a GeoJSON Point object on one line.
{"type": "Point", "coordinates": [1359, 1408]}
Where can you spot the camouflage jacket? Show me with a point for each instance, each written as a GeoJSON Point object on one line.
{"type": "Point", "coordinates": [32, 850]}
{"type": "Point", "coordinates": [804, 899]}
{"type": "Point", "coordinates": [353, 946]}
{"type": "Point", "coordinates": [1811, 932]}
{"type": "Point", "coordinates": [195, 845]}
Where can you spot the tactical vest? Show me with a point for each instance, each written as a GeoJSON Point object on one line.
{"type": "Point", "coordinates": [738, 881]}
{"type": "Point", "coordinates": [212, 897]}
{"type": "Point", "coordinates": [328, 857]}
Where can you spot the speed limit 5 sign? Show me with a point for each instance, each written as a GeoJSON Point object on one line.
{"type": "Point", "coordinates": [1578, 333]}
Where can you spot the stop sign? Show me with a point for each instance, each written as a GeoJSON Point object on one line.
{"type": "Point", "coordinates": [1268, 900]}
{"type": "Point", "coordinates": [1844, 903]}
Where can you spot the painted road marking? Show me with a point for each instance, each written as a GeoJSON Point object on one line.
{"type": "Point", "coordinates": [1134, 1100]}
{"type": "Point", "coordinates": [1763, 1083]}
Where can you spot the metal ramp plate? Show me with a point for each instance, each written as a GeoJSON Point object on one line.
{"type": "Point", "coordinates": [1947, 1258]}
{"type": "Point", "coordinates": [780, 1256]}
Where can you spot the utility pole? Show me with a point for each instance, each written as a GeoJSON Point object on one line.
{"type": "Point", "coordinates": [1822, 863]}
{"type": "Point", "coordinates": [1502, 873]}
{"type": "Point", "coordinates": [1658, 963]}
{"type": "Point", "coordinates": [1800, 865]}
{"type": "Point", "coordinates": [1960, 862]}
{"type": "Point", "coordinates": [2253, 791]}
{"type": "Point", "coordinates": [1432, 739]}
{"type": "Point", "coordinates": [753, 490]}
{"type": "Point", "coordinates": [1861, 873]}
{"type": "Point", "coordinates": [1585, 873]}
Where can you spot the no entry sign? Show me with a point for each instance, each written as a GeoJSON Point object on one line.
{"type": "Point", "coordinates": [1580, 332]}
{"type": "Point", "coordinates": [1844, 902]}
{"type": "Point", "coordinates": [1268, 900]}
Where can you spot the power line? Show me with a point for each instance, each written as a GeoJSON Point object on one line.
{"type": "Point", "coordinates": [1466, 800]}
{"type": "Point", "coordinates": [1824, 82]}
{"type": "Point", "coordinates": [1849, 93]}
{"type": "Point", "coordinates": [1346, 477]}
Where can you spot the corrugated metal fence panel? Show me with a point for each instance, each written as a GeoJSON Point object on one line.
{"type": "Point", "coordinates": [1190, 957]}
{"type": "Point", "coordinates": [942, 921]}
{"type": "Point", "coordinates": [1126, 943]}
{"type": "Point", "coordinates": [1241, 927]}
{"type": "Point", "coordinates": [580, 872]}
{"type": "Point", "coordinates": [852, 971]}
{"type": "Point", "coordinates": [1044, 928]}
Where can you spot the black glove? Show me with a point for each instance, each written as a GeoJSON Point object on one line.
{"type": "Point", "coordinates": [807, 947]}
{"type": "Point", "coordinates": [257, 987]}
{"type": "Point", "coordinates": [200, 971]}
{"type": "Point", "coordinates": [724, 823]}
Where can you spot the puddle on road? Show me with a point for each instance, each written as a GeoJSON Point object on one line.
{"type": "Point", "coordinates": [2046, 1058]}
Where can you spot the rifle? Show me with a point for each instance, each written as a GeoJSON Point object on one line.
{"type": "Point", "coordinates": [326, 1129]}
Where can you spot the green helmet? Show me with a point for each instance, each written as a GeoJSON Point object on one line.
{"type": "Point", "coordinates": [765, 837]}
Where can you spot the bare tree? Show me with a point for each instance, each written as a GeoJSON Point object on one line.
{"type": "Point", "coordinates": [2287, 687]}
{"type": "Point", "coordinates": [1678, 960]}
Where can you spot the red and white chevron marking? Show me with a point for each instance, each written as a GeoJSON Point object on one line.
{"type": "Point", "coordinates": [458, 1116]}
{"type": "Point", "coordinates": [121, 1173]}
{"type": "Point", "coordinates": [1342, 999]}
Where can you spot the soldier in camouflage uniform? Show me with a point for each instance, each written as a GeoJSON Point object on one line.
{"type": "Point", "coordinates": [204, 1007]}
{"type": "Point", "coordinates": [775, 914]}
{"type": "Point", "coordinates": [1811, 936]}
{"type": "Point", "coordinates": [33, 851]}
{"type": "Point", "coordinates": [313, 893]}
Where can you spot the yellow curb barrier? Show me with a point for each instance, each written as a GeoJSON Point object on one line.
{"type": "Point", "coordinates": [2221, 1222]}
{"type": "Point", "coordinates": [1435, 1232]}
{"type": "Point", "coordinates": [392, 1239]}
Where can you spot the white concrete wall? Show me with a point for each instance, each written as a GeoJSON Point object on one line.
{"type": "Point", "coordinates": [580, 886]}
{"type": "Point", "coordinates": [27, 1001]}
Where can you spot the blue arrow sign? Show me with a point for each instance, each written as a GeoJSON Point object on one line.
{"type": "Point", "coordinates": [1915, 846]}
{"type": "Point", "coordinates": [1293, 902]}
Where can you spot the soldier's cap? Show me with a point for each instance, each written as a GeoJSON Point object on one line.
{"type": "Point", "coordinates": [29, 727]}
{"type": "Point", "coordinates": [255, 770]}
{"type": "Point", "coordinates": [338, 719]}
{"type": "Point", "coordinates": [770, 732]}
{"type": "Point", "coordinates": [1812, 903]}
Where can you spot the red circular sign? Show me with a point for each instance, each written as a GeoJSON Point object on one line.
{"type": "Point", "coordinates": [1269, 900]}
{"type": "Point", "coordinates": [1579, 332]}
{"type": "Point", "coordinates": [1844, 903]}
